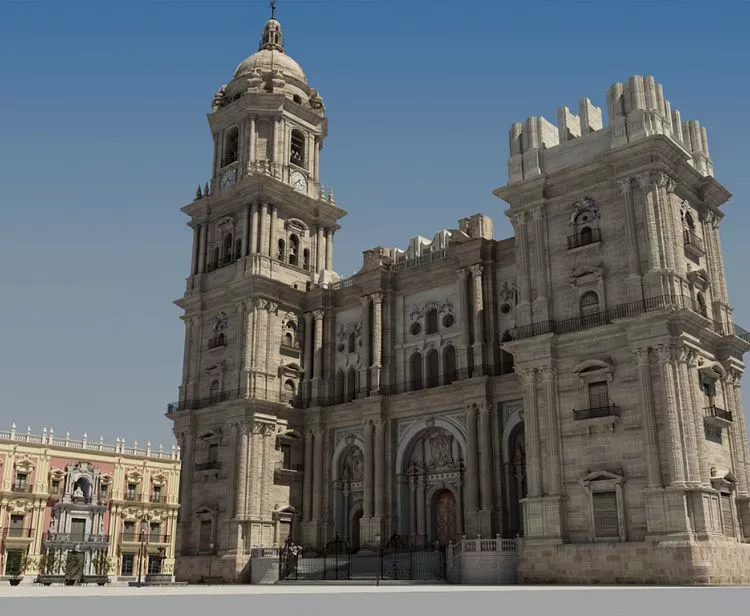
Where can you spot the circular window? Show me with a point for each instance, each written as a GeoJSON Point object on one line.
{"type": "Point", "coordinates": [449, 320]}
{"type": "Point", "coordinates": [505, 308]}
{"type": "Point", "coordinates": [415, 328]}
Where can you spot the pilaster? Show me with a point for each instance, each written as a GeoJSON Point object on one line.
{"type": "Point", "coordinates": [672, 437]}
{"type": "Point", "coordinates": [477, 308]}
{"type": "Point", "coordinates": [377, 342]}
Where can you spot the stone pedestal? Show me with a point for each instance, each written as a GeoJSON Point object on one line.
{"type": "Point", "coordinates": [543, 519]}
{"type": "Point", "coordinates": [743, 513]}
{"type": "Point", "coordinates": [485, 520]}
{"type": "Point", "coordinates": [667, 513]}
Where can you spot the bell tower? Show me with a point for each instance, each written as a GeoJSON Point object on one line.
{"type": "Point", "coordinates": [263, 232]}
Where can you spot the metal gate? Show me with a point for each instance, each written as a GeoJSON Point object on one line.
{"type": "Point", "coordinates": [398, 559]}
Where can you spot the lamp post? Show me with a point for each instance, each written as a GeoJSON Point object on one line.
{"type": "Point", "coordinates": [141, 552]}
{"type": "Point", "coordinates": [380, 559]}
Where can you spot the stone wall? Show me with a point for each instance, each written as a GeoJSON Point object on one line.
{"type": "Point", "coordinates": [674, 563]}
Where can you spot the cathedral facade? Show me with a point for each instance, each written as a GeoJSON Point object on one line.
{"type": "Point", "coordinates": [576, 385]}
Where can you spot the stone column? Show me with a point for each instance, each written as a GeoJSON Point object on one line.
{"type": "Point", "coordinates": [634, 286]}
{"type": "Point", "coordinates": [196, 249]}
{"type": "Point", "coordinates": [699, 429]}
{"type": "Point", "coordinates": [202, 250]}
{"type": "Point", "coordinates": [267, 468]}
{"type": "Point", "coordinates": [272, 230]}
{"type": "Point", "coordinates": [254, 476]}
{"type": "Point", "coordinates": [186, 476]}
{"type": "Point", "coordinates": [379, 468]}
{"type": "Point", "coordinates": [540, 250]}
{"type": "Point", "coordinates": [737, 430]}
{"type": "Point", "coordinates": [421, 497]}
{"type": "Point", "coordinates": [673, 440]}
{"type": "Point", "coordinates": [554, 465]}
{"type": "Point", "coordinates": [687, 415]}
{"type": "Point", "coordinates": [329, 249]}
{"type": "Point", "coordinates": [663, 186]}
{"type": "Point", "coordinates": [523, 310]}
{"type": "Point", "coordinates": [464, 348]}
{"type": "Point", "coordinates": [652, 231]}
{"type": "Point", "coordinates": [319, 147]}
{"type": "Point", "coordinates": [307, 478]}
{"type": "Point", "coordinates": [320, 252]}
{"type": "Point", "coordinates": [364, 371]}
{"type": "Point", "coordinates": [245, 230]}
{"type": "Point", "coordinates": [472, 471]}
{"type": "Point", "coordinates": [253, 135]}
{"type": "Point", "coordinates": [460, 507]}
{"type": "Point", "coordinates": [368, 478]}
{"type": "Point", "coordinates": [277, 142]}
{"type": "Point", "coordinates": [413, 504]}
{"type": "Point", "coordinates": [240, 496]}
{"type": "Point", "coordinates": [377, 341]}
{"type": "Point", "coordinates": [317, 497]}
{"type": "Point", "coordinates": [653, 468]}
{"type": "Point", "coordinates": [740, 421]}
{"type": "Point", "coordinates": [264, 228]}
{"type": "Point", "coordinates": [308, 348]}
{"type": "Point", "coordinates": [485, 430]}
{"type": "Point", "coordinates": [531, 430]}
{"type": "Point", "coordinates": [477, 308]}
{"type": "Point", "coordinates": [254, 225]}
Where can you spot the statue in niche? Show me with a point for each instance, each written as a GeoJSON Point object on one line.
{"type": "Point", "coordinates": [440, 450]}
{"type": "Point", "coordinates": [354, 469]}
{"type": "Point", "coordinates": [78, 492]}
{"type": "Point", "coordinates": [220, 322]}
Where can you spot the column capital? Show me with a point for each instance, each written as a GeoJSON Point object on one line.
{"type": "Point", "coordinates": [259, 303]}
{"type": "Point", "coordinates": [625, 185]}
{"type": "Point", "coordinates": [527, 376]}
{"type": "Point", "coordinates": [473, 409]}
{"type": "Point", "coordinates": [642, 356]}
{"type": "Point", "coordinates": [319, 314]}
{"type": "Point", "coordinates": [476, 270]}
{"type": "Point", "coordinates": [683, 354]}
{"type": "Point", "coordinates": [272, 307]}
{"type": "Point", "coordinates": [537, 213]}
{"type": "Point", "coordinates": [548, 372]}
{"type": "Point", "coordinates": [463, 274]}
{"type": "Point", "coordinates": [308, 316]}
{"type": "Point", "coordinates": [377, 298]}
{"type": "Point", "coordinates": [665, 353]}
{"type": "Point", "coordinates": [518, 218]}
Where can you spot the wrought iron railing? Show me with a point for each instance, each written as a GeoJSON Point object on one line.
{"type": "Point", "coordinates": [158, 498]}
{"type": "Point", "coordinates": [17, 532]}
{"type": "Point", "coordinates": [217, 341]}
{"type": "Point", "coordinates": [23, 488]}
{"type": "Point", "coordinates": [718, 413]}
{"type": "Point", "coordinates": [132, 496]}
{"type": "Point", "coordinates": [584, 239]}
{"type": "Point", "coordinates": [72, 538]}
{"type": "Point", "coordinates": [595, 412]}
{"type": "Point", "coordinates": [693, 240]}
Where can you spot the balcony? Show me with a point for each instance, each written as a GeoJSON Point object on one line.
{"type": "Point", "coordinates": [584, 239]}
{"type": "Point", "coordinates": [693, 243]}
{"type": "Point", "coordinates": [15, 532]}
{"type": "Point", "coordinates": [207, 466]}
{"type": "Point", "coordinates": [222, 262]}
{"type": "Point", "coordinates": [596, 412]}
{"type": "Point", "coordinates": [199, 403]}
{"type": "Point", "coordinates": [717, 416]}
{"type": "Point", "coordinates": [91, 541]}
{"type": "Point", "coordinates": [23, 488]}
{"type": "Point", "coordinates": [132, 497]}
{"type": "Point", "coordinates": [157, 498]}
{"type": "Point", "coordinates": [217, 342]}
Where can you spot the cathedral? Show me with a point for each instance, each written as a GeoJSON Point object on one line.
{"type": "Point", "coordinates": [572, 391]}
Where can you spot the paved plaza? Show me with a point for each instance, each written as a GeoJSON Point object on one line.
{"type": "Point", "coordinates": [394, 600]}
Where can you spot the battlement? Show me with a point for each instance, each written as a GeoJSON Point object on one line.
{"type": "Point", "coordinates": [636, 109]}
{"type": "Point", "coordinates": [421, 248]}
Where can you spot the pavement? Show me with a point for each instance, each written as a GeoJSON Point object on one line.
{"type": "Point", "coordinates": [371, 600]}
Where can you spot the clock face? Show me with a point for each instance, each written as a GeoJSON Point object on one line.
{"type": "Point", "coordinates": [228, 178]}
{"type": "Point", "coordinates": [298, 181]}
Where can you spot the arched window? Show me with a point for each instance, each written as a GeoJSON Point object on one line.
{"type": "Point", "coordinates": [306, 259]}
{"type": "Point", "coordinates": [289, 391]}
{"type": "Point", "coordinates": [214, 391]}
{"type": "Point", "coordinates": [216, 257]}
{"type": "Point", "coordinates": [506, 359]}
{"type": "Point", "coordinates": [433, 368]}
{"type": "Point", "coordinates": [289, 339]}
{"type": "Point", "coordinates": [297, 154]}
{"type": "Point", "coordinates": [449, 364]}
{"type": "Point", "coordinates": [585, 227]}
{"type": "Point", "coordinates": [226, 252]}
{"type": "Point", "coordinates": [586, 236]}
{"type": "Point", "coordinates": [293, 249]}
{"type": "Point", "coordinates": [221, 339]}
{"type": "Point", "coordinates": [351, 342]}
{"type": "Point", "coordinates": [237, 249]}
{"type": "Point", "coordinates": [231, 141]}
{"type": "Point", "coordinates": [281, 251]}
{"type": "Point", "coordinates": [351, 384]}
{"type": "Point", "coordinates": [589, 304]}
{"type": "Point", "coordinates": [415, 365]}
{"type": "Point", "coordinates": [689, 221]}
{"type": "Point", "coordinates": [340, 387]}
{"type": "Point", "coordinates": [431, 321]}
{"type": "Point", "coordinates": [702, 305]}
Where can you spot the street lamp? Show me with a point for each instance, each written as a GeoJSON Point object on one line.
{"type": "Point", "coordinates": [141, 552]}
{"type": "Point", "coordinates": [210, 558]}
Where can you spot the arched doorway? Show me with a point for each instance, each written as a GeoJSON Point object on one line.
{"type": "Point", "coordinates": [354, 538]}
{"type": "Point", "coordinates": [444, 508]}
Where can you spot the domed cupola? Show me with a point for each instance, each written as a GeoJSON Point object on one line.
{"type": "Point", "coordinates": [272, 36]}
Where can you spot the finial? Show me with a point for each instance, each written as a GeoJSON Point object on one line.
{"type": "Point", "coordinates": [198, 194]}
{"type": "Point", "coordinates": [205, 190]}
{"type": "Point", "coordinates": [273, 9]}
{"type": "Point", "coordinates": [272, 33]}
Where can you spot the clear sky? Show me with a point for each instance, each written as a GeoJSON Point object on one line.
{"type": "Point", "coordinates": [103, 137]}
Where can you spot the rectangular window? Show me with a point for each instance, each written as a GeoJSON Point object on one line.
{"type": "Point", "coordinates": [77, 529]}
{"type": "Point", "coordinates": [154, 531]}
{"type": "Point", "coordinates": [727, 519]}
{"type": "Point", "coordinates": [130, 493]}
{"type": "Point", "coordinates": [204, 544]}
{"type": "Point", "coordinates": [128, 562]}
{"type": "Point", "coordinates": [13, 559]}
{"type": "Point", "coordinates": [213, 454]}
{"type": "Point", "coordinates": [285, 528]}
{"type": "Point", "coordinates": [606, 521]}
{"type": "Point", "coordinates": [16, 525]}
{"type": "Point", "coordinates": [54, 486]}
{"type": "Point", "coordinates": [154, 563]}
{"type": "Point", "coordinates": [156, 494]}
{"type": "Point", "coordinates": [598, 395]}
{"type": "Point", "coordinates": [286, 453]}
{"type": "Point", "coordinates": [128, 531]}
{"type": "Point", "coordinates": [22, 482]}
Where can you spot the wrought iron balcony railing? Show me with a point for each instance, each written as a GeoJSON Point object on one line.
{"type": "Point", "coordinates": [16, 532]}
{"type": "Point", "coordinates": [76, 538]}
{"type": "Point", "coordinates": [584, 239]}
{"type": "Point", "coordinates": [158, 498]}
{"type": "Point", "coordinates": [24, 488]}
{"type": "Point", "coordinates": [715, 412]}
{"type": "Point", "coordinates": [217, 341]}
{"type": "Point", "coordinates": [693, 241]}
{"type": "Point", "coordinates": [595, 412]}
{"type": "Point", "coordinates": [132, 496]}
{"type": "Point", "coordinates": [199, 403]}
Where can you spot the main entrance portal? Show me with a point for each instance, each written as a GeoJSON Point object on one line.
{"type": "Point", "coordinates": [445, 517]}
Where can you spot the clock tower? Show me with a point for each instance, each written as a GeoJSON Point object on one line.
{"type": "Point", "coordinates": [262, 236]}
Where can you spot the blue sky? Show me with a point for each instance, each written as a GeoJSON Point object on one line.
{"type": "Point", "coordinates": [104, 136]}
